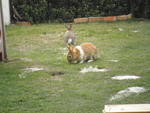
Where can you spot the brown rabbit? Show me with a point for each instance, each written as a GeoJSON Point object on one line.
{"type": "Point", "coordinates": [69, 35]}
{"type": "Point", "coordinates": [84, 52]}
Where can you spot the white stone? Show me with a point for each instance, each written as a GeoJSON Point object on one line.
{"type": "Point", "coordinates": [29, 70]}
{"type": "Point", "coordinates": [63, 49]}
{"type": "Point", "coordinates": [128, 92]}
{"type": "Point", "coordinates": [113, 60]}
{"type": "Point", "coordinates": [125, 77]}
{"type": "Point", "coordinates": [34, 69]}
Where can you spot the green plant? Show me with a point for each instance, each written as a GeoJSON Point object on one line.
{"type": "Point", "coordinates": [41, 11]}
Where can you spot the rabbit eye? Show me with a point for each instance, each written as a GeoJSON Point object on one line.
{"type": "Point", "coordinates": [69, 56]}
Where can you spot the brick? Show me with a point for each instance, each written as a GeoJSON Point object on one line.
{"type": "Point", "coordinates": [94, 19]}
{"type": "Point", "coordinates": [80, 20]}
{"type": "Point", "coordinates": [24, 23]}
{"type": "Point", "coordinates": [110, 18]}
{"type": "Point", "coordinates": [122, 17]}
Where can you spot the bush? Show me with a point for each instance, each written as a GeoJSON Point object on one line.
{"type": "Point", "coordinates": [39, 11]}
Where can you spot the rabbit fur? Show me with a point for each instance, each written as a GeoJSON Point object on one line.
{"type": "Point", "coordinates": [69, 37]}
{"type": "Point", "coordinates": [83, 53]}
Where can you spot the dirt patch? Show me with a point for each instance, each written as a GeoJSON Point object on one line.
{"type": "Point", "coordinates": [12, 60]}
{"type": "Point", "coordinates": [18, 59]}
{"type": "Point", "coordinates": [56, 76]}
{"type": "Point", "coordinates": [148, 69]}
{"type": "Point", "coordinates": [57, 73]}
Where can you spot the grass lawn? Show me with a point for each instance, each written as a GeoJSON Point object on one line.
{"type": "Point", "coordinates": [73, 92]}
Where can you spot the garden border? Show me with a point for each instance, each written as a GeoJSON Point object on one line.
{"type": "Point", "coordinates": [108, 18]}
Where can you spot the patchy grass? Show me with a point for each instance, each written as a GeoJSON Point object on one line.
{"type": "Point", "coordinates": [60, 87]}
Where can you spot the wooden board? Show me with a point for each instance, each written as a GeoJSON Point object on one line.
{"type": "Point", "coordinates": [127, 108]}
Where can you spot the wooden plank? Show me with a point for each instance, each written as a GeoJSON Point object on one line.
{"type": "Point", "coordinates": [127, 108]}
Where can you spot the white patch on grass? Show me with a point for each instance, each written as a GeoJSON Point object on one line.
{"type": "Point", "coordinates": [125, 77]}
{"type": "Point", "coordinates": [33, 69]}
{"type": "Point", "coordinates": [29, 70]}
{"type": "Point", "coordinates": [128, 92]}
{"type": "Point", "coordinates": [135, 31]}
{"type": "Point", "coordinates": [26, 59]}
{"type": "Point", "coordinates": [56, 78]}
{"type": "Point", "coordinates": [92, 69]}
{"type": "Point", "coordinates": [90, 60]}
{"type": "Point", "coordinates": [113, 60]}
{"type": "Point", "coordinates": [120, 29]}
{"type": "Point", "coordinates": [64, 49]}
{"type": "Point", "coordinates": [60, 34]}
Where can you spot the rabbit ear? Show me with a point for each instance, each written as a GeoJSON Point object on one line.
{"type": "Point", "coordinates": [74, 50]}
{"type": "Point", "coordinates": [68, 26]}
{"type": "Point", "coordinates": [70, 47]}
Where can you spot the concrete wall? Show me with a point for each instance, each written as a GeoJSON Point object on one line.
{"type": "Point", "coordinates": [6, 11]}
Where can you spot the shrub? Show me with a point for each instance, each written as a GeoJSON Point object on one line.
{"type": "Point", "coordinates": [38, 11]}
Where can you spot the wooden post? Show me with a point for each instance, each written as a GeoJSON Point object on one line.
{"type": "Point", "coordinates": [3, 53]}
{"type": "Point", "coordinates": [127, 108]}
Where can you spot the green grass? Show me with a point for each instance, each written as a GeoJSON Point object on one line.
{"type": "Point", "coordinates": [73, 92]}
